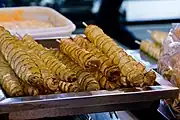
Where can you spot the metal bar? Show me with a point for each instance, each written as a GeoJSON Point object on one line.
{"type": "Point", "coordinates": [87, 99]}
{"type": "Point", "coordinates": [54, 112]}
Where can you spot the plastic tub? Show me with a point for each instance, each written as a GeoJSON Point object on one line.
{"type": "Point", "coordinates": [61, 25]}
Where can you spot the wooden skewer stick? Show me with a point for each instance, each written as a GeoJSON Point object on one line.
{"type": "Point", "coordinates": [18, 35]}
{"type": "Point", "coordinates": [138, 42]}
{"type": "Point", "coordinates": [57, 40]}
{"type": "Point", "coordinates": [84, 24]}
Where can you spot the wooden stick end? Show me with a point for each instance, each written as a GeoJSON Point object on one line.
{"type": "Point", "coordinates": [84, 24]}
{"type": "Point", "coordinates": [138, 42]}
{"type": "Point", "coordinates": [57, 40]}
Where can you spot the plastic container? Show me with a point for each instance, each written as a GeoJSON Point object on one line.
{"type": "Point", "coordinates": [61, 25]}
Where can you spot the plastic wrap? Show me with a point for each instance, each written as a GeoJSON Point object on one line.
{"type": "Point", "coordinates": [169, 60]}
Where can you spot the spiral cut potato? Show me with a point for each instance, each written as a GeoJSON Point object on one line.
{"type": "Point", "coordinates": [85, 79]}
{"type": "Point", "coordinates": [132, 70]}
{"type": "Point", "coordinates": [110, 70]}
{"type": "Point", "coordinates": [151, 49]}
{"type": "Point", "coordinates": [84, 58]}
{"type": "Point", "coordinates": [11, 83]}
{"type": "Point", "coordinates": [19, 61]}
{"type": "Point", "coordinates": [104, 83]}
{"type": "Point", "coordinates": [57, 67]}
{"type": "Point", "coordinates": [24, 67]}
{"type": "Point", "coordinates": [49, 80]}
{"type": "Point", "coordinates": [30, 90]}
{"type": "Point", "coordinates": [158, 36]}
{"type": "Point", "coordinates": [69, 87]}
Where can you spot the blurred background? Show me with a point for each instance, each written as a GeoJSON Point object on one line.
{"type": "Point", "coordinates": [124, 20]}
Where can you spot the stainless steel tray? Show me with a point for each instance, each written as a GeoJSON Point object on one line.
{"type": "Point", "coordinates": [88, 102]}
{"type": "Point", "coordinates": [140, 56]}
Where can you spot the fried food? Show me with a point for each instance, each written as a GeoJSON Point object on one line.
{"type": "Point", "coordinates": [11, 83]}
{"type": "Point", "coordinates": [151, 49]}
{"type": "Point", "coordinates": [30, 90]}
{"type": "Point", "coordinates": [110, 71]}
{"type": "Point", "coordinates": [50, 82]}
{"type": "Point", "coordinates": [19, 60]}
{"type": "Point", "coordinates": [101, 79]}
{"type": "Point", "coordinates": [57, 67]}
{"type": "Point", "coordinates": [69, 87]}
{"type": "Point", "coordinates": [104, 83]}
{"type": "Point", "coordinates": [84, 58]}
{"type": "Point", "coordinates": [132, 70]}
{"type": "Point", "coordinates": [86, 80]}
{"type": "Point", "coordinates": [158, 36]}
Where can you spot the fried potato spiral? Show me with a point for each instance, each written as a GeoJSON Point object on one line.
{"type": "Point", "coordinates": [19, 60]}
{"type": "Point", "coordinates": [57, 67]}
{"type": "Point", "coordinates": [96, 75]}
{"type": "Point", "coordinates": [110, 70]}
{"type": "Point", "coordinates": [132, 70]}
{"type": "Point", "coordinates": [84, 58]}
{"type": "Point", "coordinates": [11, 83]}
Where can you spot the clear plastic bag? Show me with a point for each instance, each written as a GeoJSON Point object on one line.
{"type": "Point", "coordinates": [169, 60]}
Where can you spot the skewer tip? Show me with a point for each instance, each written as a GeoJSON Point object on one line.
{"type": "Point", "coordinates": [84, 24]}
{"type": "Point", "coordinates": [71, 37]}
{"type": "Point", "coordinates": [57, 40]}
{"type": "Point", "coordinates": [47, 48]}
{"type": "Point", "coordinates": [138, 42]}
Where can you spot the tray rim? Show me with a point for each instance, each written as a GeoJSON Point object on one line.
{"type": "Point", "coordinates": [92, 98]}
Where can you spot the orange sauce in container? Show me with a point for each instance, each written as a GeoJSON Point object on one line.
{"type": "Point", "coordinates": [15, 20]}
{"type": "Point", "coordinates": [15, 16]}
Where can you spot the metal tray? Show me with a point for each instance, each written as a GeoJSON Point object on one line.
{"type": "Point", "coordinates": [88, 102]}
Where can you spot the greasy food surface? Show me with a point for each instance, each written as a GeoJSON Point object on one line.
{"type": "Point", "coordinates": [152, 49]}
{"type": "Point", "coordinates": [111, 71]}
{"type": "Point", "coordinates": [84, 58]}
{"type": "Point", "coordinates": [79, 64]}
{"type": "Point", "coordinates": [132, 72]}
{"type": "Point", "coordinates": [158, 36]}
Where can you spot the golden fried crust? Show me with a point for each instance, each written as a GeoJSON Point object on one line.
{"type": "Point", "coordinates": [86, 80]}
{"type": "Point", "coordinates": [57, 67]}
{"type": "Point", "coordinates": [84, 58]}
{"type": "Point", "coordinates": [149, 78]}
{"type": "Point", "coordinates": [11, 83]}
{"type": "Point", "coordinates": [68, 87]}
{"type": "Point", "coordinates": [8, 45]}
{"type": "Point", "coordinates": [150, 48]}
{"type": "Point", "coordinates": [158, 36]}
{"type": "Point", "coordinates": [119, 57]}
{"type": "Point", "coordinates": [110, 70]}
